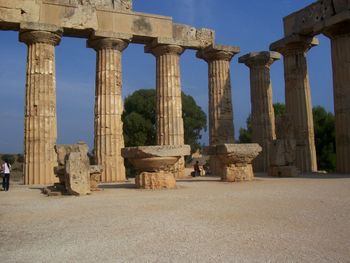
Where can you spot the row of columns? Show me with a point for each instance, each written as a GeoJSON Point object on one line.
{"type": "Point", "coordinates": [40, 106]}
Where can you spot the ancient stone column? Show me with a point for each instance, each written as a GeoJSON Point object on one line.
{"type": "Point", "coordinates": [262, 113]}
{"type": "Point", "coordinates": [169, 122]}
{"type": "Point", "coordinates": [340, 44]}
{"type": "Point", "coordinates": [298, 97]}
{"type": "Point", "coordinates": [40, 128]}
{"type": "Point", "coordinates": [221, 129]}
{"type": "Point", "coordinates": [109, 138]}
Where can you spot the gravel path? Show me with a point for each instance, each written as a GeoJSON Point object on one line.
{"type": "Point", "coordinates": [204, 220]}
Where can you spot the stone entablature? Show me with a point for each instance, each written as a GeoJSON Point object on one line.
{"type": "Point", "coordinates": [78, 18]}
{"type": "Point", "coordinates": [312, 19]}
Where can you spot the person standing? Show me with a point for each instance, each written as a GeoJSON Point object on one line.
{"type": "Point", "coordinates": [6, 169]}
{"type": "Point", "coordinates": [197, 171]}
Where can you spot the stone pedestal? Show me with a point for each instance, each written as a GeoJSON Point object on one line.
{"type": "Point", "coordinates": [340, 43]}
{"type": "Point", "coordinates": [236, 160]}
{"type": "Point", "coordinates": [169, 122]}
{"type": "Point", "coordinates": [298, 98]}
{"type": "Point", "coordinates": [262, 114]}
{"type": "Point", "coordinates": [221, 129]}
{"type": "Point", "coordinates": [109, 107]}
{"type": "Point", "coordinates": [155, 164]}
{"type": "Point", "coordinates": [40, 128]}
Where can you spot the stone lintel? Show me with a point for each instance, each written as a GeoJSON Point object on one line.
{"type": "Point", "coordinates": [193, 38]}
{"type": "Point", "coordinates": [218, 52]}
{"type": "Point", "coordinates": [81, 17]}
{"type": "Point", "coordinates": [337, 25]}
{"type": "Point", "coordinates": [311, 19]}
{"type": "Point", "coordinates": [259, 58]}
{"type": "Point", "coordinates": [155, 151]}
{"type": "Point", "coordinates": [294, 42]}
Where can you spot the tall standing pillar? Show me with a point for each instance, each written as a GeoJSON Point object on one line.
{"type": "Point", "coordinates": [339, 35]}
{"type": "Point", "coordinates": [40, 128]}
{"type": "Point", "coordinates": [298, 97]}
{"type": "Point", "coordinates": [221, 128]}
{"type": "Point", "coordinates": [262, 116]}
{"type": "Point", "coordinates": [169, 122]}
{"type": "Point", "coordinates": [109, 138]}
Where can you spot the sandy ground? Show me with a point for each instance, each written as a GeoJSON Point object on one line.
{"type": "Point", "coordinates": [204, 220]}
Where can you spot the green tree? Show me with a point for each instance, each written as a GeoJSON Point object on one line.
{"type": "Point", "coordinates": [139, 119]}
{"type": "Point", "coordinates": [324, 127]}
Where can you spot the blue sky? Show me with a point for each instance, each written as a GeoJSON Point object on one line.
{"type": "Point", "coordinates": [250, 24]}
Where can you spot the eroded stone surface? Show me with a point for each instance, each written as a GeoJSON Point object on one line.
{"type": "Point", "coordinates": [156, 164]}
{"type": "Point", "coordinates": [77, 173]}
{"type": "Point", "coordinates": [155, 181]}
{"type": "Point", "coordinates": [235, 160]}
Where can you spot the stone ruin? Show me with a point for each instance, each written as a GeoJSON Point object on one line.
{"type": "Point", "coordinates": [283, 149]}
{"type": "Point", "coordinates": [42, 24]}
{"type": "Point", "coordinates": [156, 165]}
{"type": "Point", "coordinates": [75, 174]}
{"type": "Point", "coordinates": [235, 160]}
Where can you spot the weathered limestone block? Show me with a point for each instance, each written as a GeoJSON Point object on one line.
{"type": "Point", "coordinates": [283, 149]}
{"type": "Point", "coordinates": [236, 160]}
{"type": "Point", "coordinates": [283, 171]}
{"type": "Point", "coordinates": [77, 174]}
{"type": "Point", "coordinates": [156, 180]}
{"type": "Point", "coordinates": [95, 177]}
{"type": "Point", "coordinates": [155, 164]}
{"type": "Point", "coordinates": [74, 170]}
{"type": "Point", "coordinates": [282, 152]}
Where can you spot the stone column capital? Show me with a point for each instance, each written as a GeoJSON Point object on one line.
{"type": "Point", "coordinates": [294, 44]}
{"type": "Point", "coordinates": [256, 59]}
{"type": "Point", "coordinates": [217, 52]}
{"type": "Point", "coordinates": [36, 36]}
{"type": "Point", "coordinates": [107, 43]}
{"type": "Point", "coordinates": [162, 49]}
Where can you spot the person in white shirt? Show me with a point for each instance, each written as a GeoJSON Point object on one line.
{"type": "Point", "coordinates": [6, 169]}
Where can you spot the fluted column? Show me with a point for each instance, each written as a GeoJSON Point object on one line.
{"type": "Point", "coordinates": [169, 122]}
{"type": "Point", "coordinates": [109, 139]}
{"type": "Point", "coordinates": [40, 128]}
{"type": "Point", "coordinates": [221, 128]}
{"type": "Point", "coordinates": [339, 35]}
{"type": "Point", "coordinates": [298, 97]}
{"type": "Point", "coordinates": [262, 114]}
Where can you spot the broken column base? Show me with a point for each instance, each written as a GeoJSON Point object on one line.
{"type": "Point", "coordinates": [283, 171]}
{"type": "Point", "coordinates": [155, 164]}
{"type": "Point", "coordinates": [155, 180]}
{"type": "Point", "coordinates": [233, 162]}
{"type": "Point", "coordinates": [238, 173]}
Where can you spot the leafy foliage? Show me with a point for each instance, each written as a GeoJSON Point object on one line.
{"type": "Point", "coordinates": [9, 157]}
{"type": "Point", "coordinates": [139, 119]}
{"type": "Point", "coordinates": [324, 127]}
